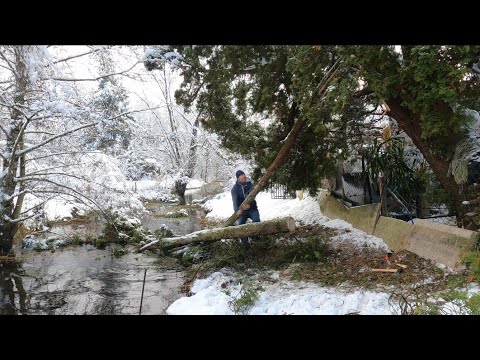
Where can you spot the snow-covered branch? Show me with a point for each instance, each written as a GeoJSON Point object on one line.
{"type": "Point", "coordinates": [16, 194]}
{"type": "Point", "coordinates": [43, 143]}
{"type": "Point", "coordinates": [64, 187]}
{"type": "Point", "coordinates": [63, 153]}
{"type": "Point", "coordinates": [98, 77]}
{"type": "Point", "coordinates": [18, 220]}
{"type": "Point", "coordinates": [92, 51]}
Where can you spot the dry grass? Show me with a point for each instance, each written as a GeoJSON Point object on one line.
{"type": "Point", "coordinates": [307, 255]}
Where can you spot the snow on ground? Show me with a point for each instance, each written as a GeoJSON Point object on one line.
{"type": "Point", "coordinates": [40, 243]}
{"type": "Point", "coordinates": [150, 190]}
{"type": "Point", "coordinates": [306, 211]}
{"type": "Point", "coordinates": [456, 307]}
{"type": "Point", "coordinates": [51, 210]}
{"type": "Point", "coordinates": [161, 189]}
{"type": "Point", "coordinates": [348, 234]}
{"type": "Point", "coordinates": [117, 192]}
{"type": "Point", "coordinates": [195, 184]}
{"type": "Point", "coordinates": [445, 220]}
{"type": "Point", "coordinates": [56, 209]}
{"type": "Point", "coordinates": [217, 293]}
{"type": "Point", "coordinates": [214, 296]}
{"type": "Point", "coordinates": [167, 182]}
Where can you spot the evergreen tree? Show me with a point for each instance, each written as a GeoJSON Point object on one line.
{"type": "Point", "coordinates": [112, 100]}
{"type": "Point", "coordinates": [426, 89]}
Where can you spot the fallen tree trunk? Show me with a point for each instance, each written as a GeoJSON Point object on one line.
{"type": "Point", "coordinates": [283, 225]}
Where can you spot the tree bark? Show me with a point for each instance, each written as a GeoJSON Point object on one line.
{"type": "Point", "coordinates": [10, 165]}
{"type": "Point", "coordinates": [21, 187]}
{"type": "Point", "coordinates": [180, 191]}
{"type": "Point", "coordinates": [284, 225]}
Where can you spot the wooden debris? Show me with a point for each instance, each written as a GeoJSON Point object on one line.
{"type": "Point", "coordinates": [387, 270]}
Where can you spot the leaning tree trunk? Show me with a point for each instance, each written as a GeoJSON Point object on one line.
{"type": "Point", "coordinates": [260, 185]}
{"type": "Point", "coordinates": [284, 225]}
{"type": "Point", "coordinates": [410, 123]}
{"type": "Point", "coordinates": [282, 154]}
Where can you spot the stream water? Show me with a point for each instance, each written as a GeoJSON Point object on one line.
{"type": "Point", "coordinates": [87, 280]}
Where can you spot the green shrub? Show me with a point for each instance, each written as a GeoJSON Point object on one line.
{"type": "Point", "coordinates": [472, 262]}
{"type": "Point", "coordinates": [245, 299]}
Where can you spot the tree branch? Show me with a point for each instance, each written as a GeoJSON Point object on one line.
{"type": "Point", "coordinates": [97, 78]}
{"type": "Point", "coordinates": [72, 190]}
{"type": "Point", "coordinates": [64, 153]}
{"type": "Point", "coordinates": [92, 51]}
{"type": "Point", "coordinates": [362, 92]}
{"type": "Point", "coordinates": [30, 149]}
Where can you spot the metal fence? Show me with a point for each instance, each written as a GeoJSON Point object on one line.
{"type": "Point", "coordinates": [280, 192]}
{"type": "Point", "coordinates": [417, 207]}
{"type": "Point", "coordinates": [356, 188]}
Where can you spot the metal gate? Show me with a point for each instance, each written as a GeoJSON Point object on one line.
{"type": "Point", "coordinates": [280, 192]}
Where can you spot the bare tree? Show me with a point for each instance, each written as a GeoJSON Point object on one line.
{"type": "Point", "coordinates": [43, 115]}
{"type": "Point", "coordinates": [173, 133]}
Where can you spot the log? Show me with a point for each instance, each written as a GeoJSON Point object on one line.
{"type": "Point", "coordinates": [276, 226]}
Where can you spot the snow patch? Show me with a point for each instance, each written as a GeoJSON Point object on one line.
{"type": "Point", "coordinates": [36, 243]}
{"type": "Point", "coordinates": [58, 209]}
{"type": "Point", "coordinates": [214, 295]}
{"type": "Point", "coordinates": [305, 211]}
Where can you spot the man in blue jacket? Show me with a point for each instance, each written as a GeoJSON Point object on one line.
{"type": "Point", "coordinates": [240, 191]}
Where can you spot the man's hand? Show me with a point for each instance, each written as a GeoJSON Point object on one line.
{"type": "Point", "coordinates": [242, 209]}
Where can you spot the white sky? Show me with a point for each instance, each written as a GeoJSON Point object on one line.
{"type": "Point", "coordinates": [138, 81]}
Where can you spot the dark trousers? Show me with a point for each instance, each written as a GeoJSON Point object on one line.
{"type": "Point", "coordinates": [252, 214]}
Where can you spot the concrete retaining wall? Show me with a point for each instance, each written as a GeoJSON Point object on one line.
{"type": "Point", "coordinates": [442, 243]}
{"type": "Point", "coordinates": [395, 233]}
{"type": "Point", "coordinates": [361, 217]}
{"type": "Point", "coordinates": [331, 207]}
{"type": "Point", "coordinates": [364, 217]}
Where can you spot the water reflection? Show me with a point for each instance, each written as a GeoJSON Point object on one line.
{"type": "Point", "coordinates": [12, 293]}
{"type": "Point", "coordinates": [87, 280]}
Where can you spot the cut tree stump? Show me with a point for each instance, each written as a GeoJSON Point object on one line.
{"type": "Point", "coordinates": [276, 226]}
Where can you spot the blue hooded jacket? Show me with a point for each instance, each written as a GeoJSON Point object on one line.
{"type": "Point", "coordinates": [240, 192]}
